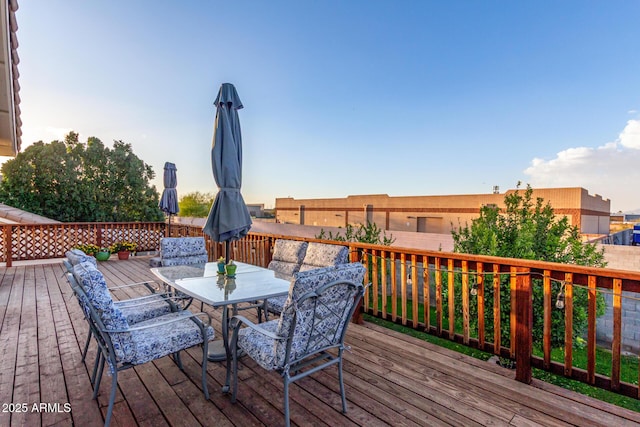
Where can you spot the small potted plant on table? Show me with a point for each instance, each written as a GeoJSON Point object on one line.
{"type": "Point", "coordinates": [230, 269]}
{"type": "Point", "coordinates": [221, 265]}
{"type": "Point", "coordinates": [123, 249]}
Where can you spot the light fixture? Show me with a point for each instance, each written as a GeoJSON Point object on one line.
{"type": "Point", "coordinates": [474, 289]}
{"type": "Point", "coordinates": [560, 298]}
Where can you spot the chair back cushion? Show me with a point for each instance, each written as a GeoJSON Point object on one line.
{"type": "Point", "coordinates": [323, 255]}
{"type": "Point", "coordinates": [287, 256]}
{"type": "Point", "coordinates": [76, 256]}
{"type": "Point", "coordinates": [95, 287]}
{"type": "Point", "coordinates": [319, 322]}
{"type": "Point", "coordinates": [183, 250]}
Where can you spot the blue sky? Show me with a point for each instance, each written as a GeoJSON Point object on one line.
{"type": "Point", "coordinates": [348, 97]}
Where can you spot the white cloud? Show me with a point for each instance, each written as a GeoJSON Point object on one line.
{"type": "Point", "coordinates": [611, 170]}
{"type": "Point", "coordinates": [630, 136]}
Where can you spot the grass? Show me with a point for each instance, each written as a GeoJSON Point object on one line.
{"type": "Point", "coordinates": [628, 368]}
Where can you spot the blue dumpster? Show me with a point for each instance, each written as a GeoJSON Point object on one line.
{"type": "Point", "coordinates": [636, 235]}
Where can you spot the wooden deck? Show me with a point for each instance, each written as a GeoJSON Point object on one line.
{"type": "Point", "coordinates": [391, 379]}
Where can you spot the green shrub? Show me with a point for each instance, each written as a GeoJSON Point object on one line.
{"type": "Point", "coordinates": [528, 230]}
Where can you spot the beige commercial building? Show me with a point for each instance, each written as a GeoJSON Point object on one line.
{"type": "Point", "coordinates": [438, 214]}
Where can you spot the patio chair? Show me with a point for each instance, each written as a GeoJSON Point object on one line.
{"type": "Point", "coordinates": [309, 332]}
{"type": "Point", "coordinates": [317, 255]}
{"type": "Point", "coordinates": [286, 261]}
{"type": "Point", "coordinates": [123, 345]}
{"type": "Point", "coordinates": [134, 309]}
{"type": "Point", "coordinates": [287, 256]}
{"type": "Point", "coordinates": [183, 251]}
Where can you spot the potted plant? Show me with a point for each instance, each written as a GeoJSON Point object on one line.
{"type": "Point", "coordinates": [89, 248]}
{"type": "Point", "coordinates": [221, 265]}
{"type": "Point", "coordinates": [230, 269]}
{"type": "Point", "coordinates": [103, 254]}
{"type": "Point", "coordinates": [123, 249]}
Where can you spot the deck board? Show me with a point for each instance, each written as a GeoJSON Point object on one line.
{"type": "Point", "coordinates": [390, 378]}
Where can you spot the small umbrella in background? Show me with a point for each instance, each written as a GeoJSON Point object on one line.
{"type": "Point", "coordinates": [169, 200]}
{"type": "Point", "coordinates": [229, 217]}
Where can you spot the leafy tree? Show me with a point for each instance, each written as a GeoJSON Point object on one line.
{"type": "Point", "coordinates": [75, 182]}
{"type": "Point", "coordinates": [196, 204]}
{"type": "Point", "coordinates": [529, 230]}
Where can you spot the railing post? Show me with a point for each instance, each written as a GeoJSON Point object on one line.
{"type": "Point", "coordinates": [524, 325]}
{"type": "Point", "coordinates": [99, 236]}
{"type": "Point", "coordinates": [6, 230]}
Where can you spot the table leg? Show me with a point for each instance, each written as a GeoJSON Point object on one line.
{"type": "Point", "coordinates": [219, 349]}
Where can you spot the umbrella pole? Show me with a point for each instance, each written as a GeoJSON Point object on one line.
{"type": "Point", "coordinates": [226, 252]}
{"type": "Point", "coordinates": [169, 230]}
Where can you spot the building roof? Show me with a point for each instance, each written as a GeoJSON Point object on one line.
{"type": "Point", "coordinates": [11, 215]}
{"type": "Point", "coordinates": [10, 123]}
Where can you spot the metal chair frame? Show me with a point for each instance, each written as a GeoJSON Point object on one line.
{"type": "Point", "coordinates": [106, 350]}
{"type": "Point", "coordinates": [141, 302]}
{"type": "Point", "coordinates": [316, 359]}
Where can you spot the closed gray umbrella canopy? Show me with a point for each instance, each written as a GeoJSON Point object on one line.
{"type": "Point", "coordinates": [169, 200]}
{"type": "Point", "coordinates": [229, 217]}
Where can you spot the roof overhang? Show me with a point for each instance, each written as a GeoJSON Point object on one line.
{"type": "Point", "coordinates": [10, 122]}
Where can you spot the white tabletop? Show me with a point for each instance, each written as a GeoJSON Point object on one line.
{"type": "Point", "coordinates": [205, 284]}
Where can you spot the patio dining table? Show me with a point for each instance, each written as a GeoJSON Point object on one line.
{"type": "Point", "coordinates": [202, 282]}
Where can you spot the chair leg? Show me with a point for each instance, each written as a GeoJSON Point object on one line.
{"type": "Point", "coordinates": [234, 369]}
{"type": "Point", "coordinates": [287, 421]}
{"type": "Point", "coordinates": [86, 346]}
{"type": "Point", "coordinates": [340, 378]}
{"type": "Point", "coordinates": [112, 398]}
{"type": "Point", "coordinates": [96, 387]}
{"type": "Point", "coordinates": [95, 367]}
{"type": "Point", "coordinates": [205, 354]}
{"type": "Point", "coordinates": [178, 360]}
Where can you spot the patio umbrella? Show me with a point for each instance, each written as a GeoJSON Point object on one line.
{"type": "Point", "coordinates": [229, 217]}
{"type": "Point", "coordinates": [169, 200]}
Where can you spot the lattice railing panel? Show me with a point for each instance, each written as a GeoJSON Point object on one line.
{"type": "Point", "coordinates": [42, 241]}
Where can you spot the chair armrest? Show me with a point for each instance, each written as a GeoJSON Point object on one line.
{"type": "Point", "coordinates": [130, 285]}
{"type": "Point", "coordinates": [238, 320]}
{"type": "Point", "coordinates": [153, 297]}
{"type": "Point", "coordinates": [194, 316]}
{"type": "Point", "coordinates": [150, 299]}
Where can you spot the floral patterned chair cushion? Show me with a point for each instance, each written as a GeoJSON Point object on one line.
{"type": "Point", "coordinates": [76, 256]}
{"type": "Point", "coordinates": [138, 346]}
{"type": "Point", "coordinates": [183, 251]}
{"type": "Point", "coordinates": [138, 310]}
{"type": "Point", "coordinates": [94, 285]}
{"type": "Point", "coordinates": [312, 319]}
{"type": "Point", "coordinates": [323, 255]}
{"type": "Point", "coordinates": [287, 256]}
{"type": "Point", "coordinates": [141, 346]}
{"type": "Point", "coordinates": [318, 255]}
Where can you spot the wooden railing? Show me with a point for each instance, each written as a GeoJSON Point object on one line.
{"type": "Point", "coordinates": [404, 282]}
{"type": "Point", "coordinates": [441, 293]}
{"type": "Point", "coordinates": [20, 242]}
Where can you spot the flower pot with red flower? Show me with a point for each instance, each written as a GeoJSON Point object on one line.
{"type": "Point", "coordinates": [123, 249]}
